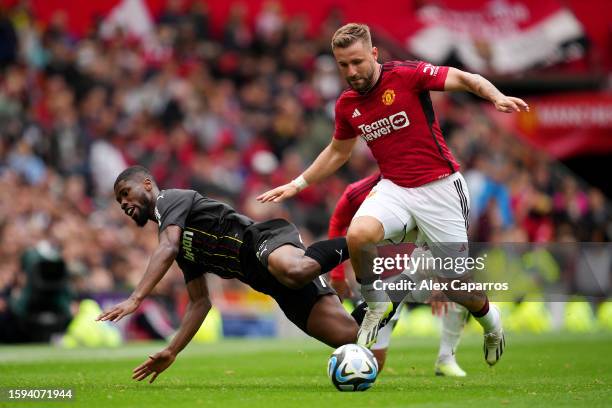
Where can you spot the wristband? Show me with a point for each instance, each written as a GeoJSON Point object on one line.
{"type": "Point", "coordinates": [300, 183]}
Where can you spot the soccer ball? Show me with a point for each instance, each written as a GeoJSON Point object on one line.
{"type": "Point", "coordinates": [352, 368]}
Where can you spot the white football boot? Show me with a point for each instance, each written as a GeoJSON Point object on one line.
{"type": "Point", "coordinates": [449, 368]}
{"type": "Point", "coordinates": [377, 315]}
{"type": "Point", "coordinates": [494, 343]}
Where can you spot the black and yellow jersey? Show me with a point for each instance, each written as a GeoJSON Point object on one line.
{"type": "Point", "coordinates": [212, 231]}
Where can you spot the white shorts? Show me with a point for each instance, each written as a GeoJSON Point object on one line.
{"type": "Point", "coordinates": [439, 209]}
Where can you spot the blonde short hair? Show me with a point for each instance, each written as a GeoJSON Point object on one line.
{"type": "Point", "coordinates": [350, 33]}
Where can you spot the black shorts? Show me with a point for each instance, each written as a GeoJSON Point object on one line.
{"type": "Point", "coordinates": [265, 237]}
{"type": "Point", "coordinates": [260, 240]}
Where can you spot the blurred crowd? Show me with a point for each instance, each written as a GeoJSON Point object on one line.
{"type": "Point", "coordinates": [229, 115]}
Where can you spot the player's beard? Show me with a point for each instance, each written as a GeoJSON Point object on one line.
{"type": "Point", "coordinates": [142, 217]}
{"type": "Point", "coordinates": [367, 83]}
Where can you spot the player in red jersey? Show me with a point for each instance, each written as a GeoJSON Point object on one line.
{"type": "Point", "coordinates": [453, 316]}
{"type": "Point", "coordinates": [388, 105]}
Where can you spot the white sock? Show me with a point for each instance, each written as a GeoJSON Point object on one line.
{"type": "Point", "coordinates": [417, 295]}
{"type": "Point", "coordinates": [453, 323]}
{"type": "Point", "coordinates": [375, 298]}
{"type": "Point", "coordinates": [491, 321]}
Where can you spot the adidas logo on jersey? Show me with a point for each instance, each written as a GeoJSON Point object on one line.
{"type": "Point", "coordinates": [356, 113]}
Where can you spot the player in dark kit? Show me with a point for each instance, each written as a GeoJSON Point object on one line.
{"type": "Point", "coordinates": [205, 235]}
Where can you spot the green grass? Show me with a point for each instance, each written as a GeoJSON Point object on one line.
{"type": "Point", "coordinates": [547, 370]}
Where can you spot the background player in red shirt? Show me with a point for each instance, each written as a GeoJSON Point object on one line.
{"type": "Point", "coordinates": [388, 105]}
{"type": "Point", "coordinates": [453, 316]}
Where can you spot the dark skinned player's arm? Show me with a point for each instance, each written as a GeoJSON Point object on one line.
{"type": "Point", "coordinates": [160, 262]}
{"type": "Point", "coordinates": [197, 309]}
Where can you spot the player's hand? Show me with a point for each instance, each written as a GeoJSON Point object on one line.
{"type": "Point", "coordinates": [120, 310]}
{"type": "Point", "coordinates": [155, 365]}
{"type": "Point", "coordinates": [439, 303]}
{"type": "Point", "coordinates": [279, 194]}
{"type": "Point", "coordinates": [509, 104]}
{"type": "Point", "coordinates": [342, 288]}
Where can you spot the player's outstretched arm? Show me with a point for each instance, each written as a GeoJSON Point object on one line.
{"type": "Point", "coordinates": [197, 309]}
{"type": "Point", "coordinates": [160, 262]}
{"type": "Point", "coordinates": [329, 160]}
{"type": "Point", "coordinates": [457, 80]}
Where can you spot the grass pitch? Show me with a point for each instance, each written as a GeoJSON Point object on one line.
{"type": "Point", "coordinates": [536, 371]}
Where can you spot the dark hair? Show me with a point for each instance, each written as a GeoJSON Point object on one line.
{"type": "Point", "coordinates": [133, 172]}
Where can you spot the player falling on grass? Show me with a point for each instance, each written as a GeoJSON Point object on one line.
{"type": "Point", "coordinates": [388, 105]}
{"type": "Point", "coordinates": [453, 316]}
{"type": "Point", "coordinates": [204, 235]}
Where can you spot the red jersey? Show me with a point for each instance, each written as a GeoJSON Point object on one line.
{"type": "Point", "coordinates": [397, 121]}
{"type": "Point", "coordinates": [347, 206]}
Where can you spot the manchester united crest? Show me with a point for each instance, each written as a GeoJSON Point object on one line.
{"type": "Point", "coordinates": [388, 97]}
